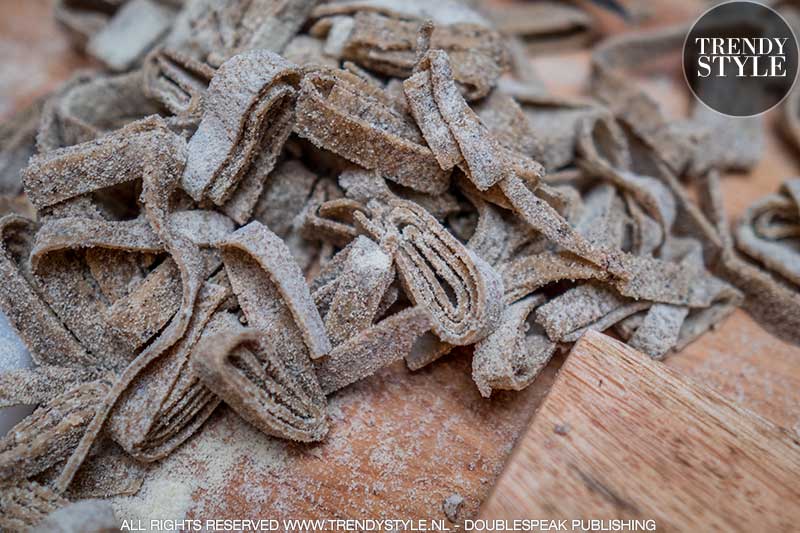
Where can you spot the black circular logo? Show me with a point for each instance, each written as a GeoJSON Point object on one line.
{"type": "Point", "coordinates": [740, 58]}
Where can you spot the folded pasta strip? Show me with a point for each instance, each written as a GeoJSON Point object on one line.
{"type": "Point", "coordinates": [460, 290]}
{"type": "Point", "coordinates": [247, 117]}
{"type": "Point", "coordinates": [265, 372]}
{"type": "Point", "coordinates": [386, 45]}
{"type": "Point", "coordinates": [373, 135]}
{"type": "Point", "coordinates": [512, 356]}
{"type": "Point", "coordinates": [769, 231]}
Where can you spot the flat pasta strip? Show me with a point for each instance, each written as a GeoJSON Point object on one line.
{"type": "Point", "coordinates": [392, 150]}
{"type": "Point", "coordinates": [140, 313]}
{"type": "Point", "coordinates": [116, 158]}
{"type": "Point", "coordinates": [336, 31]}
{"type": "Point", "coordinates": [325, 279]}
{"type": "Point", "coordinates": [567, 316]}
{"type": "Point", "coordinates": [359, 291]}
{"type": "Point", "coordinates": [667, 327]}
{"type": "Point", "coordinates": [725, 143]}
{"type": "Point", "coordinates": [660, 330]}
{"type": "Point", "coordinates": [363, 185]}
{"type": "Point", "coordinates": [64, 280]}
{"type": "Point", "coordinates": [602, 220]}
{"type": "Point", "coordinates": [497, 235]}
{"type": "Point", "coordinates": [524, 275]}
{"type": "Point", "coordinates": [62, 273]}
{"type": "Point", "coordinates": [490, 239]}
{"type": "Point", "coordinates": [147, 308]}
{"type": "Point", "coordinates": [362, 355]}
{"type": "Point", "coordinates": [508, 123]}
{"type": "Point", "coordinates": [386, 45]}
{"type": "Point", "coordinates": [46, 337]}
{"type": "Point", "coordinates": [42, 384]}
{"type": "Point", "coordinates": [686, 283]}
{"type": "Point", "coordinates": [133, 29]}
{"type": "Point", "coordinates": [73, 233]}
{"type": "Point", "coordinates": [26, 504]}
{"type": "Point", "coordinates": [51, 433]}
{"type": "Point", "coordinates": [280, 21]}
{"type": "Point", "coordinates": [542, 217]}
{"type": "Point", "coordinates": [285, 193]}
{"type": "Point", "coordinates": [422, 105]}
{"type": "Point", "coordinates": [483, 157]}
{"type": "Point", "coordinates": [427, 349]}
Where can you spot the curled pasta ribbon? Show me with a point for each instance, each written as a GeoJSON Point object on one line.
{"type": "Point", "coordinates": [160, 174]}
{"type": "Point", "coordinates": [775, 305]}
{"type": "Point", "coordinates": [604, 152]}
{"type": "Point", "coordinates": [116, 101]}
{"type": "Point", "coordinates": [248, 116]}
{"type": "Point", "coordinates": [458, 136]}
{"type": "Point", "coordinates": [256, 381]}
{"type": "Point", "coordinates": [770, 230]}
{"type": "Point", "coordinates": [342, 113]}
{"type": "Point", "coordinates": [629, 102]}
{"type": "Point", "coordinates": [162, 407]}
{"type": "Point", "coordinates": [178, 81]}
{"type": "Point", "coordinates": [272, 383]}
{"type": "Point", "coordinates": [462, 293]}
{"type": "Point", "coordinates": [46, 337]}
{"type": "Point", "coordinates": [514, 354]}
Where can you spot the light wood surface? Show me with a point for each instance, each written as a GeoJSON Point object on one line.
{"type": "Point", "coordinates": [620, 436]}
{"type": "Point", "coordinates": [402, 442]}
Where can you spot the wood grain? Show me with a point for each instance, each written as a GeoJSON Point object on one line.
{"type": "Point", "coordinates": [623, 437]}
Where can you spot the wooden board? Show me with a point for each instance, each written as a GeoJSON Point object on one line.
{"type": "Point", "coordinates": [403, 442]}
{"type": "Point", "coordinates": [620, 436]}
